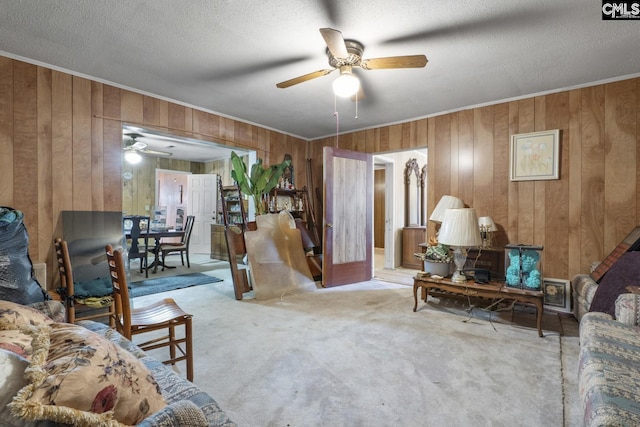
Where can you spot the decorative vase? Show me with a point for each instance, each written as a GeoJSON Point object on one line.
{"type": "Point", "coordinates": [438, 268]}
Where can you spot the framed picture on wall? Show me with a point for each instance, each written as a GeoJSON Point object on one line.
{"type": "Point", "coordinates": [535, 156]}
{"type": "Point", "coordinates": [557, 295]}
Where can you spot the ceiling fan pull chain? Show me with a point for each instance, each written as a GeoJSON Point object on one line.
{"type": "Point", "coordinates": [356, 105]}
{"type": "Point", "coordinates": [337, 116]}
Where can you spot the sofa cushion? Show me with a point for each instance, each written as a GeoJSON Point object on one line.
{"type": "Point", "coordinates": [76, 375]}
{"type": "Point", "coordinates": [12, 379]}
{"type": "Point", "coordinates": [625, 272]}
{"type": "Point", "coordinates": [609, 371]}
{"type": "Point", "coordinates": [180, 413]}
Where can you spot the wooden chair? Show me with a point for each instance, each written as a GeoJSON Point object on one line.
{"type": "Point", "coordinates": [164, 314]}
{"type": "Point", "coordinates": [67, 293]}
{"type": "Point", "coordinates": [234, 236]}
{"type": "Point", "coordinates": [182, 246]}
{"type": "Point", "coordinates": [139, 247]}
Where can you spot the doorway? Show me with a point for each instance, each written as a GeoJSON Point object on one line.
{"type": "Point", "coordinates": [389, 212]}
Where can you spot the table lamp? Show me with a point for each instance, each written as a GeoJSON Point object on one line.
{"type": "Point", "coordinates": [487, 228]}
{"type": "Point", "coordinates": [446, 202]}
{"type": "Point", "coordinates": [460, 230]}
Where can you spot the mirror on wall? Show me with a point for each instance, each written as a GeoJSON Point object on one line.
{"type": "Point", "coordinates": [414, 182]}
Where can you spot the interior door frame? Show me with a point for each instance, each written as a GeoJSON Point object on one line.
{"type": "Point", "coordinates": [389, 203]}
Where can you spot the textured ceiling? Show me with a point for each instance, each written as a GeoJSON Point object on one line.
{"type": "Point", "coordinates": [226, 56]}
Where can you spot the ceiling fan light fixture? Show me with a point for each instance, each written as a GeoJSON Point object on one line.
{"type": "Point", "coordinates": [132, 157]}
{"type": "Point", "coordinates": [346, 85]}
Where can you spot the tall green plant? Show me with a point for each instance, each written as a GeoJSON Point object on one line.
{"type": "Point", "coordinates": [259, 182]}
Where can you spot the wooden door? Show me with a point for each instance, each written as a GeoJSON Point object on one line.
{"type": "Point", "coordinates": [348, 217]}
{"type": "Point", "coordinates": [201, 203]}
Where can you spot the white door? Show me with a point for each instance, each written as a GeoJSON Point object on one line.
{"type": "Point", "coordinates": [201, 203]}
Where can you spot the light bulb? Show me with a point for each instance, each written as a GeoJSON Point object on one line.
{"type": "Point", "coordinates": [346, 85]}
{"type": "Point", "coordinates": [132, 157]}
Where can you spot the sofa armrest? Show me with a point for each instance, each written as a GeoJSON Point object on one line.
{"type": "Point", "coordinates": [628, 309]}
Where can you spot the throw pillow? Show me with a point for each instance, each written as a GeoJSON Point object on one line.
{"type": "Point", "coordinates": [19, 314]}
{"type": "Point", "coordinates": [78, 377]}
{"type": "Point", "coordinates": [13, 315]}
{"type": "Point", "coordinates": [624, 272]}
{"type": "Point", "coordinates": [15, 340]}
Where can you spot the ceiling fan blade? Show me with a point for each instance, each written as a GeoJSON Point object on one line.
{"type": "Point", "coordinates": [304, 78]}
{"type": "Point", "coordinates": [139, 145]}
{"type": "Point", "coordinates": [410, 61]}
{"type": "Point", "coordinates": [335, 42]}
{"type": "Point", "coordinates": [156, 153]}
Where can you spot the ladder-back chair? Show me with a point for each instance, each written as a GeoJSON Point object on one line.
{"type": "Point", "coordinates": [164, 314]}
{"type": "Point", "coordinates": [101, 308]}
{"type": "Point", "coordinates": [182, 246]}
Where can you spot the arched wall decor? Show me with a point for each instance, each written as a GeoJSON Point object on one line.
{"type": "Point", "coordinates": [414, 182]}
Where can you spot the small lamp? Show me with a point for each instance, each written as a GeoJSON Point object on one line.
{"type": "Point", "coordinates": [132, 157]}
{"type": "Point", "coordinates": [446, 202]}
{"type": "Point", "coordinates": [487, 227]}
{"type": "Point", "coordinates": [460, 230]}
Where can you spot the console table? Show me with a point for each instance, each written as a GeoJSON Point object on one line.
{"type": "Point", "coordinates": [490, 290]}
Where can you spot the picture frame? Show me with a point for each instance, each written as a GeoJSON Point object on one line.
{"type": "Point", "coordinates": [535, 156]}
{"type": "Point", "coordinates": [557, 295]}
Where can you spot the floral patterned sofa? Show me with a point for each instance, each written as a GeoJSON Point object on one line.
{"type": "Point", "coordinates": [57, 374]}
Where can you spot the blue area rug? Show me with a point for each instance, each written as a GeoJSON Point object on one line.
{"type": "Point", "coordinates": [163, 284]}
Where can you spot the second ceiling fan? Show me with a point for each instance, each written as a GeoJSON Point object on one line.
{"type": "Point", "coordinates": [344, 55]}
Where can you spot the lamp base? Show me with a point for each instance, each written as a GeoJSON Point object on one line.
{"type": "Point", "coordinates": [458, 277]}
{"type": "Point", "coordinates": [459, 259]}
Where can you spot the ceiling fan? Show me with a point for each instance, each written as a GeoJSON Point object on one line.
{"type": "Point", "coordinates": [344, 55]}
{"type": "Point", "coordinates": [140, 147]}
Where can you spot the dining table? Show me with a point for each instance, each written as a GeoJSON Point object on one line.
{"type": "Point", "coordinates": [158, 234]}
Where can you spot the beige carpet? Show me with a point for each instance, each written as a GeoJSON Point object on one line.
{"type": "Point", "coordinates": [358, 356]}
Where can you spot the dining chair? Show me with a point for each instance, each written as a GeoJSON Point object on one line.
{"type": "Point", "coordinates": [139, 247]}
{"type": "Point", "coordinates": [182, 247]}
{"type": "Point", "coordinates": [163, 314]}
{"type": "Point", "coordinates": [85, 307]}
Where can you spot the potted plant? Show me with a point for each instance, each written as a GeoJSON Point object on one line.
{"type": "Point", "coordinates": [437, 259]}
{"type": "Point", "coordinates": [261, 180]}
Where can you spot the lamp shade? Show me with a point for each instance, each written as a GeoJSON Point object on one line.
{"type": "Point", "coordinates": [346, 85]}
{"type": "Point", "coordinates": [446, 202]}
{"type": "Point", "coordinates": [486, 223]}
{"type": "Point", "coordinates": [460, 228]}
{"type": "Point", "coordinates": [132, 157]}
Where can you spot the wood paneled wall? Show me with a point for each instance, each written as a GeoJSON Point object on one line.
{"type": "Point", "coordinates": [579, 218]}
{"type": "Point", "coordinates": [60, 149]}
{"type": "Point", "coordinates": [61, 139]}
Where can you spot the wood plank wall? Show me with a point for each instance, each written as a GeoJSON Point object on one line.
{"type": "Point", "coordinates": [61, 139]}
{"type": "Point", "coordinates": [60, 149]}
{"type": "Point", "coordinates": [579, 218]}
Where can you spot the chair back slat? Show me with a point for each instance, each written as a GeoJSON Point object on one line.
{"type": "Point", "coordinates": [120, 291]}
{"type": "Point", "coordinates": [188, 229]}
{"type": "Point", "coordinates": [66, 277]}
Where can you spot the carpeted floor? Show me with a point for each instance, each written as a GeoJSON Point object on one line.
{"type": "Point", "coordinates": [358, 355]}
{"type": "Point", "coordinates": [169, 283]}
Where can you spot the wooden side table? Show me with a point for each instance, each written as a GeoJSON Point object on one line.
{"type": "Point", "coordinates": [490, 290]}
